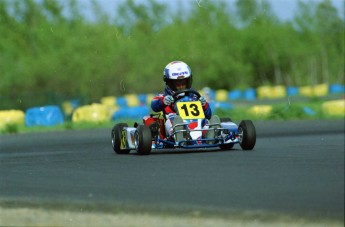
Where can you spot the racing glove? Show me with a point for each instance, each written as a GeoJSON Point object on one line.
{"type": "Point", "coordinates": [202, 100]}
{"type": "Point", "coordinates": [168, 100]}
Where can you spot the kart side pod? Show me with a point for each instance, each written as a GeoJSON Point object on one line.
{"type": "Point", "coordinates": [156, 125]}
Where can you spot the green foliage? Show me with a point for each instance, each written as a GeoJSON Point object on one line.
{"type": "Point", "coordinates": [51, 52]}
{"type": "Point", "coordinates": [10, 129]}
{"type": "Point", "coordinates": [288, 111]}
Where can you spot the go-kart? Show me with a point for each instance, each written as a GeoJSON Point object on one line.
{"type": "Point", "coordinates": [195, 131]}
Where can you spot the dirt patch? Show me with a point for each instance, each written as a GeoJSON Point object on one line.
{"type": "Point", "coordinates": [41, 217]}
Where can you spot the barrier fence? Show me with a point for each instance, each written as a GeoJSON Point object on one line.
{"type": "Point", "coordinates": [135, 106]}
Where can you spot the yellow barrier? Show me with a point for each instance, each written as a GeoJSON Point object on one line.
{"type": "Point", "coordinates": [67, 108]}
{"type": "Point", "coordinates": [149, 98]}
{"type": "Point", "coordinates": [221, 95]}
{"type": "Point", "coordinates": [312, 91]}
{"type": "Point", "coordinates": [132, 100]}
{"type": "Point", "coordinates": [92, 113]}
{"type": "Point", "coordinates": [307, 91]}
{"type": "Point", "coordinates": [279, 91]}
{"type": "Point", "coordinates": [264, 92]}
{"type": "Point", "coordinates": [9, 117]}
{"type": "Point", "coordinates": [262, 110]}
{"type": "Point", "coordinates": [271, 92]}
{"type": "Point", "coordinates": [108, 100]}
{"type": "Point", "coordinates": [320, 90]}
{"type": "Point", "coordinates": [334, 108]}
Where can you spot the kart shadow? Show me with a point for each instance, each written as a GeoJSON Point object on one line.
{"type": "Point", "coordinates": [188, 151]}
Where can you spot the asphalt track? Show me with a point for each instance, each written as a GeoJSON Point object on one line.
{"type": "Point", "coordinates": [296, 168]}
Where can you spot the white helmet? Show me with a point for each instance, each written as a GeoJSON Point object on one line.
{"type": "Point", "coordinates": [177, 75]}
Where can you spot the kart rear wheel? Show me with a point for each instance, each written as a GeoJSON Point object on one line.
{"type": "Point", "coordinates": [247, 135]}
{"type": "Point", "coordinates": [143, 140]}
{"type": "Point", "coordinates": [116, 136]}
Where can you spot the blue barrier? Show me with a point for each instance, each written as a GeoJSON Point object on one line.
{"type": "Point", "coordinates": [250, 94]}
{"type": "Point", "coordinates": [308, 111]}
{"type": "Point", "coordinates": [44, 116]}
{"type": "Point", "coordinates": [121, 101]}
{"type": "Point", "coordinates": [136, 112]}
{"type": "Point", "coordinates": [220, 105]}
{"type": "Point", "coordinates": [235, 94]}
{"type": "Point", "coordinates": [292, 91]}
{"type": "Point", "coordinates": [142, 99]}
{"type": "Point", "coordinates": [223, 105]}
{"type": "Point", "coordinates": [336, 89]}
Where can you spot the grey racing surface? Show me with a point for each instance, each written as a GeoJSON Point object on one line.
{"type": "Point", "coordinates": [296, 168]}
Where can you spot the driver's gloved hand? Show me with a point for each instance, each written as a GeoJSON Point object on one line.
{"type": "Point", "coordinates": [168, 100]}
{"type": "Point", "coordinates": [202, 100]}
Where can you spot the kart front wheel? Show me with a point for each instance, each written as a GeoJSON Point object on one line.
{"type": "Point", "coordinates": [116, 138]}
{"type": "Point", "coordinates": [247, 135]}
{"type": "Point", "coordinates": [143, 140]}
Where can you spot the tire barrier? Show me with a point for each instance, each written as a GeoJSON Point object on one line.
{"type": "Point", "coordinates": [320, 90]}
{"type": "Point", "coordinates": [132, 100]}
{"type": "Point", "coordinates": [308, 111]}
{"type": "Point", "coordinates": [95, 113]}
{"type": "Point", "coordinates": [261, 110]}
{"type": "Point", "coordinates": [11, 117]}
{"type": "Point", "coordinates": [235, 94]}
{"type": "Point", "coordinates": [336, 89]}
{"type": "Point", "coordinates": [121, 102]}
{"type": "Point", "coordinates": [142, 99]}
{"type": "Point", "coordinates": [69, 106]}
{"type": "Point", "coordinates": [306, 91]}
{"type": "Point", "coordinates": [136, 112]}
{"type": "Point", "coordinates": [334, 108]}
{"type": "Point", "coordinates": [110, 102]}
{"type": "Point", "coordinates": [271, 92]}
{"type": "Point", "coordinates": [250, 94]}
{"type": "Point", "coordinates": [314, 91]}
{"type": "Point", "coordinates": [221, 95]}
{"type": "Point", "coordinates": [135, 106]}
{"type": "Point", "coordinates": [149, 98]}
{"type": "Point", "coordinates": [221, 105]}
{"type": "Point", "coordinates": [44, 116]}
{"type": "Point", "coordinates": [292, 91]}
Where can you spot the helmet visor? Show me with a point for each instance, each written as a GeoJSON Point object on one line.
{"type": "Point", "coordinates": [181, 84]}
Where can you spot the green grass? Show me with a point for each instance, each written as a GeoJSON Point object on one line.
{"type": "Point", "coordinates": [284, 110]}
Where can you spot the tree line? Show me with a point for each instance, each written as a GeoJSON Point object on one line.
{"type": "Point", "coordinates": [51, 50]}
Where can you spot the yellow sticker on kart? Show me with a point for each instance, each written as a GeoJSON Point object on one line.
{"type": "Point", "coordinates": [123, 144]}
{"type": "Point", "coordinates": [190, 110]}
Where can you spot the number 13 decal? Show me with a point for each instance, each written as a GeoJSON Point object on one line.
{"type": "Point", "coordinates": [190, 110]}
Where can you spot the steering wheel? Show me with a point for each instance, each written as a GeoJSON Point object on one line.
{"type": "Point", "coordinates": [187, 92]}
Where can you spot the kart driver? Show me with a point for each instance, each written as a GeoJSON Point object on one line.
{"type": "Point", "coordinates": [177, 76]}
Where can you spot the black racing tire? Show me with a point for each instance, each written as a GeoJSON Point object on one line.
{"type": "Point", "coordinates": [247, 135]}
{"type": "Point", "coordinates": [116, 138]}
{"type": "Point", "coordinates": [143, 140]}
